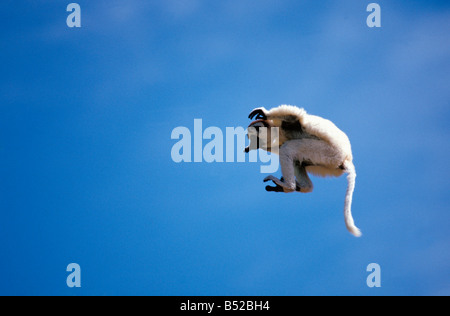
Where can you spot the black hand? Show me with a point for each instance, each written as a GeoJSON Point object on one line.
{"type": "Point", "coordinates": [259, 113]}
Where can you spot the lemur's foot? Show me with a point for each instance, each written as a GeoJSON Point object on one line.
{"type": "Point", "coordinates": [277, 187]}
{"type": "Point", "coordinates": [274, 189]}
{"type": "Point", "coordinates": [271, 178]}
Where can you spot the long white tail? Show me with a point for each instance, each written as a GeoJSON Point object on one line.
{"type": "Point", "coordinates": [351, 178]}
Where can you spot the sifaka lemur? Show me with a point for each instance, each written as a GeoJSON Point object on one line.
{"type": "Point", "coordinates": [305, 144]}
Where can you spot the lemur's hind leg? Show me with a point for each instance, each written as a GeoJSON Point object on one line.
{"type": "Point", "coordinates": [295, 177]}
{"type": "Point", "coordinates": [303, 181]}
{"type": "Point", "coordinates": [289, 183]}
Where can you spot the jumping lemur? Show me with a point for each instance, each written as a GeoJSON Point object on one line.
{"type": "Point", "coordinates": [306, 144]}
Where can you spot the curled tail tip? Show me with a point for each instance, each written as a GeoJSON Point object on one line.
{"type": "Point", "coordinates": [355, 231]}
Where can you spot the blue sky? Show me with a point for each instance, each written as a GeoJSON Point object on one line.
{"type": "Point", "coordinates": [86, 174]}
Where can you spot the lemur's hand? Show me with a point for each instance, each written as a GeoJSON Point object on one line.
{"type": "Point", "coordinates": [259, 114]}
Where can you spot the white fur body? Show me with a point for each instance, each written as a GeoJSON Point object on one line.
{"type": "Point", "coordinates": [313, 125]}
{"type": "Point", "coordinates": [314, 146]}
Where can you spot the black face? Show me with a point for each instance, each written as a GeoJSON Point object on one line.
{"type": "Point", "coordinates": [253, 135]}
